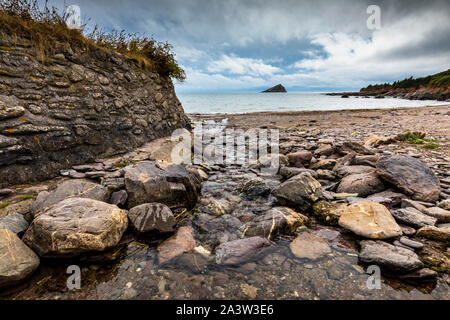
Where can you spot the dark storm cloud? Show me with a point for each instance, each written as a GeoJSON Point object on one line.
{"type": "Point", "coordinates": [306, 44]}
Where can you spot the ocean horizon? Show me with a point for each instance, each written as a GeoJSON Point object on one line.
{"type": "Point", "coordinates": [248, 102]}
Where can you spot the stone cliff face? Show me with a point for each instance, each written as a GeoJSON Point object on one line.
{"type": "Point", "coordinates": [76, 107]}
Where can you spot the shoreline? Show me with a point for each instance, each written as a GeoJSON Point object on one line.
{"type": "Point", "coordinates": [305, 112]}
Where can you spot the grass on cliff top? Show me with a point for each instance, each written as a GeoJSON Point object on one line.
{"type": "Point", "coordinates": [47, 31]}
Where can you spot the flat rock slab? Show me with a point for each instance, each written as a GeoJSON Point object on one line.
{"type": "Point", "coordinates": [413, 217]}
{"type": "Point", "coordinates": [275, 221]}
{"type": "Point", "coordinates": [388, 256]}
{"type": "Point", "coordinates": [75, 226]}
{"type": "Point", "coordinates": [70, 189]}
{"type": "Point", "coordinates": [343, 171]}
{"type": "Point", "coordinates": [371, 220]}
{"type": "Point", "coordinates": [181, 242]}
{"type": "Point", "coordinates": [309, 246]}
{"type": "Point", "coordinates": [411, 176]}
{"type": "Point", "coordinates": [152, 217]}
{"type": "Point", "coordinates": [148, 182]}
{"type": "Point", "coordinates": [299, 191]}
{"type": "Point", "coordinates": [442, 215]}
{"type": "Point", "coordinates": [17, 261]}
{"type": "Point", "coordinates": [240, 251]}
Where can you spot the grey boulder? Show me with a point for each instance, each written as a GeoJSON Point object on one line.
{"type": "Point", "coordinates": [152, 217]}
{"type": "Point", "coordinates": [388, 256]}
{"type": "Point", "coordinates": [17, 261]}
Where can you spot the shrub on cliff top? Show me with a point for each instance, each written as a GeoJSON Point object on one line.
{"type": "Point", "coordinates": [47, 30]}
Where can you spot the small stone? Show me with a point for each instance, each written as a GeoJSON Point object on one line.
{"type": "Point", "coordinates": [309, 246]}
{"type": "Point", "coordinates": [249, 291]}
{"type": "Point", "coordinates": [407, 231]}
{"type": "Point", "coordinates": [411, 243]}
{"type": "Point", "coordinates": [152, 217]}
{"type": "Point", "coordinates": [119, 198]}
{"type": "Point", "coordinates": [421, 274]}
{"type": "Point", "coordinates": [444, 204]}
{"type": "Point", "coordinates": [5, 192]}
{"type": "Point", "coordinates": [240, 251]}
{"type": "Point", "coordinates": [329, 212]}
{"type": "Point", "coordinates": [182, 242]}
{"type": "Point", "coordinates": [413, 217]}
{"type": "Point", "coordinates": [275, 221]}
{"type": "Point", "coordinates": [327, 164]}
{"type": "Point", "coordinates": [299, 191]}
{"type": "Point", "coordinates": [299, 159]}
{"type": "Point", "coordinates": [254, 188]}
{"type": "Point", "coordinates": [363, 184]}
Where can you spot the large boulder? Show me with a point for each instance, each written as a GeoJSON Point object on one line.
{"type": "Point", "coordinates": [364, 184]}
{"type": "Point", "coordinates": [388, 256]}
{"type": "Point", "coordinates": [413, 217]}
{"type": "Point", "coordinates": [181, 242]}
{"type": "Point", "coordinates": [275, 221]}
{"type": "Point", "coordinates": [240, 251]}
{"type": "Point", "coordinates": [75, 226]}
{"type": "Point", "coordinates": [70, 189]}
{"type": "Point", "coordinates": [148, 182]}
{"type": "Point", "coordinates": [152, 217]}
{"type": "Point", "coordinates": [17, 261]}
{"type": "Point", "coordinates": [371, 220]}
{"type": "Point", "coordinates": [300, 191]}
{"type": "Point", "coordinates": [411, 176]}
{"type": "Point", "coordinates": [309, 246]}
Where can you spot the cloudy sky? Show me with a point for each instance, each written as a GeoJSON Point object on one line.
{"type": "Point", "coordinates": [248, 45]}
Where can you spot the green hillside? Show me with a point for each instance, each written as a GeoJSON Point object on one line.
{"type": "Point", "coordinates": [438, 80]}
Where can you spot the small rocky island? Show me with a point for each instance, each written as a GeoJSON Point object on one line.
{"type": "Point", "coordinates": [277, 88]}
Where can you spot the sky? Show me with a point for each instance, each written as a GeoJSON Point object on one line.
{"type": "Point", "coordinates": [250, 45]}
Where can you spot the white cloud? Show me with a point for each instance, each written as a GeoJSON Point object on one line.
{"type": "Point", "coordinates": [391, 52]}
{"type": "Point", "coordinates": [236, 65]}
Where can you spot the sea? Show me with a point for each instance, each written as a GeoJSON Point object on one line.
{"type": "Point", "coordinates": [209, 103]}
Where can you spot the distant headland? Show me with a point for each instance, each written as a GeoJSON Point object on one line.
{"type": "Point", "coordinates": [433, 87]}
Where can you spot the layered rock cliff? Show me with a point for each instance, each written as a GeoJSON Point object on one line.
{"type": "Point", "coordinates": [75, 107]}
